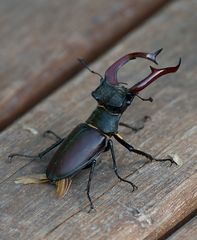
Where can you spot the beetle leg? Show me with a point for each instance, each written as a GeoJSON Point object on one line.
{"type": "Point", "coordinates": [50, 148]}
{"type": "Point", "coordinates": [115, 166]}
{"type": "Point", "coordinates": [39, 156]}
{"type": "Point", "coordinates": [49, 132]}
{"type": "Point", "coordinates": [151, 158]}
{"type": "Point", "coordinates": [123, 142]}
{"type": "Point", "coordinates": [147, 155]}
{"type": "Point", "coordinates": [139, 126]}
{"type": "Point", "coordinates": [89, 183]}
{"type": "Point", "coordinates": [150, 99]}
{"type": "Point", "coordinates": [133, 128]}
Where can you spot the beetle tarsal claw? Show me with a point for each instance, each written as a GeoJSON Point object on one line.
{"type": "Point", "coordinates": [63, 186]}
{"type": "Point", "coordinates": [32, 179]}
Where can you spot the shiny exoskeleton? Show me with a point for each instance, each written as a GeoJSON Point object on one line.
{"type": "Point", "coordinates": [82, 147]}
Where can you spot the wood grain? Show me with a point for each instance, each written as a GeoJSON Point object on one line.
{"type": "Point", "coordinates": [41, 41]}
{"type": "Point", "coordinates": [166, 195]}
{"type": "Point", "coordinates": [187, 231]}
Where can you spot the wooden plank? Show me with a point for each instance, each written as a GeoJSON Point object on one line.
{"type": "Point", "coordinates": [41, 41]}
{"type": "Point", "coordinates": [165, 195]}
{"type": "Point", "coordinates": [187, 231]}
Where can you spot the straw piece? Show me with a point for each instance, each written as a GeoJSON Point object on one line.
{"type": "Point", "coordinates": [32, 179]}
{"type": "Point", "coordinates": [63, 186]}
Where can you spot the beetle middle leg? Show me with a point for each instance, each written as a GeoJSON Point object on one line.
{"type": "Point", "coordinates": [89, 184]}
{"type": "Point", "coordinates": [39, 155]}
{"type": "Point", "coordinates": [151, 158]}
{"type": "Point", "coordinates": [147, 155]}
{"type": "Point", "coordinates": [115, 166]}
{"type": "Point", "coordinates": [140, 124]}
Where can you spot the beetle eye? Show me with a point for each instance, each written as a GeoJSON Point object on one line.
{"type": "Point", "coordinates": [97, 98]}
{"type": "Point", "coordinates": [128, 102]}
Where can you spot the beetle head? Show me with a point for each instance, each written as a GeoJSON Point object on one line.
{"type": "Point", "coordinates": [115, 98]}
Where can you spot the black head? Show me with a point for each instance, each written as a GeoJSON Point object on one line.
{"type": "Point", "coordinates": [115, 98]}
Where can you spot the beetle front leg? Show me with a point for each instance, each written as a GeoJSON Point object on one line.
{"type": "Point", "coordinates": [147, 155]}
{"type": "Point", "coordinates": [144, 99]}
{"type": "Point", "coordinates": [89, 184]}
{"type": "Point", "coordinates": [115, 166]}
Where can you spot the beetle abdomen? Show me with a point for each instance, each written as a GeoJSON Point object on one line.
{"type": "Point", "coordinates": [77, 150]}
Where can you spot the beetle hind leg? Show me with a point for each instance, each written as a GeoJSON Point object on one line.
{"type": "Point", "coordinates": [89, 184]}
{"type": "Point", "coordinates": [116, 169]}
{"type": "Point", "coordinates": [12, 155]}
{"type": "Point", "coordinates": [50, 132]}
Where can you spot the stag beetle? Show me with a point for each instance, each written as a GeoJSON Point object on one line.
{"type": "Point", "coordinates": [82, 147]}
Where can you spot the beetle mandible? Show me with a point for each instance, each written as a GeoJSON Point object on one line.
{"type": "Point", "coordinates": [82, 147]}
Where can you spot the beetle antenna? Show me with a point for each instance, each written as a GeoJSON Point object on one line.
{"type": "Point", "coordinates": [144, 99]}
{"type": "Point", "coordinates": [84, 63]}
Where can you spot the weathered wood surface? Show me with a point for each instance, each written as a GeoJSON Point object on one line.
{"type": "Point", "coordinates": [166, 195]}
{"type": "Point", "coordinates": [188, 231]}
{"type": "Point", "coordinates": [41, 41]}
